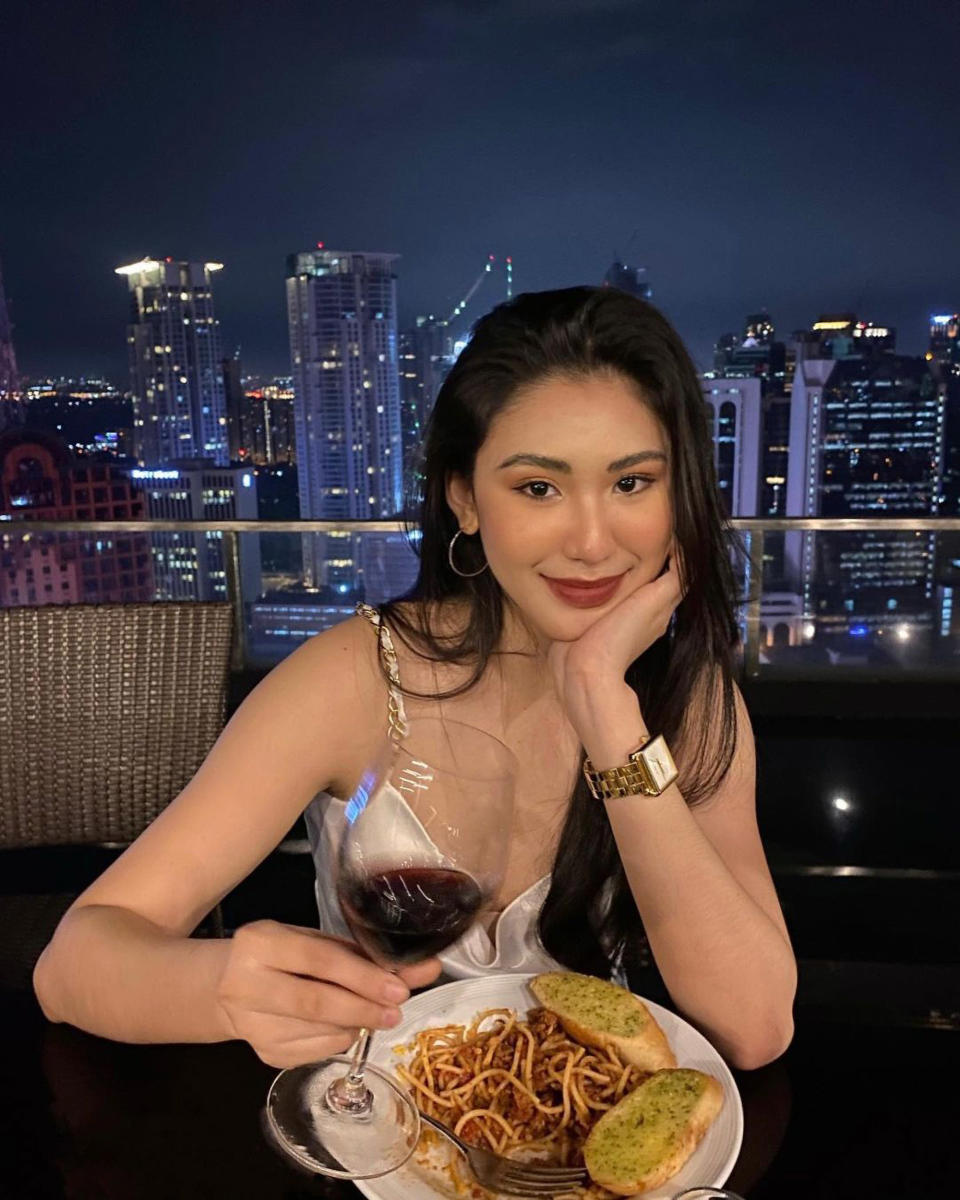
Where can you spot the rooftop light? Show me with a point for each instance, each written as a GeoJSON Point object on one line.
{"type": "Point", "coordinates": [145, 264]}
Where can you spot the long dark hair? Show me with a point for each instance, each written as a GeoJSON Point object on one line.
{"type": "Point", "coordinates": [589, 918]}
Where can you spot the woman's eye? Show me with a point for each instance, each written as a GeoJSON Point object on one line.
{"type": "Point", "coordinates": [537, 489]}
{"type": "Point", "coordinates": [635, 483]}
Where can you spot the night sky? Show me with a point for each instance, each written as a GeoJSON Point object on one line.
{"type": "Point", "coordinates": [802, 157]}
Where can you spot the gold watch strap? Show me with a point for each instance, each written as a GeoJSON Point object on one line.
{"type": "Point", "coordinates": [648, 771]}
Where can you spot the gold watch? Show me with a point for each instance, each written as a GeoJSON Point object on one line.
{"type": "Point", "coordinates": [648, 771]}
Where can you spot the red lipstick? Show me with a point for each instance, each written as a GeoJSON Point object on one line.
{"type": "Point", "coordinates": [584, 593]}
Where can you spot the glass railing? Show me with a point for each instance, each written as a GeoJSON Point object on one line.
{"type": "Point", "coordinates": [826, 597]}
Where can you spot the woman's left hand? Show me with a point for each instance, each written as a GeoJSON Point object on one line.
{"type": "Point", "coordinates": [599, 658]}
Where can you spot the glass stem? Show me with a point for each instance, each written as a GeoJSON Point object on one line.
{"type": "Point", "coordinates": [349, 1095]}
{"type": "Point", "coordinates": [354, 1077]}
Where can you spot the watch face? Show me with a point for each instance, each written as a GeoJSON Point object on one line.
{"type": "Point", "coordinates": [659, 763]}
{"type": "Point", "coordinates": [648, 772]}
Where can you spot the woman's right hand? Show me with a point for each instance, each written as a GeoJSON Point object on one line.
{"type": "Point", "coordinates": [297, 995]}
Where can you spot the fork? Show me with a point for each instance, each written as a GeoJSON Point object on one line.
{"type": "Point", "coordinates": [507, 1175]}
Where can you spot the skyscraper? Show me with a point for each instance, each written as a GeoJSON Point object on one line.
{"type": "Point", "coordinates": [944, 358]}
{"type": "Point", "coordinates": [628, 279]}
{"type": "Point", "coordinates": [188, 565]}
{"type": "Point", "coordinates": [866, 440]}
{"type": "Point", "coordinates": [174, 344]}
{"type": "Point", "coordinates": [233, 400]}
{"type": "Point", "coordinates": [267, 425]}
{"type": "Point", "coordinates": [425, 356]}
{"type": "Point", "coordinates": [41, 480]}
{"type": "Point", "coordinates": [735, 419]}
{"type": "Point", "coordinates": [945, 341]}
{"type": "Point", "coordinates": [342, 310]}
{"type": "Point", "coordinates": [733, 416]}
{"type": "Point", "coordinates": [276, 419]}
{"type": "Point", "coordinates": [755, 354]}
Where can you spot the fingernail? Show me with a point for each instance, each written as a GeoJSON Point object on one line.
{"type": "Point", "coordinates": [392, 1017]}
{"type": "Point", "coordinates": [396, 991]}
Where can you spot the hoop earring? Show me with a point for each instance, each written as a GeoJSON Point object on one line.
{"type": "Point", "coordinates": [453, 566]}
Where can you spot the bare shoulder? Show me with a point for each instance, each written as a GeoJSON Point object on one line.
{"type": "Point", "coordinates": [329, 688]}
{"type": "Point", "coordinates": [343, 654]}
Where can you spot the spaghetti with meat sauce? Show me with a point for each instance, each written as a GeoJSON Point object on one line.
{"type": "Point", "coordinates": [516, 1086]}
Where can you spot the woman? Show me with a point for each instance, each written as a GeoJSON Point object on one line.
{"type": "Point", "coordinates": [567, 446]}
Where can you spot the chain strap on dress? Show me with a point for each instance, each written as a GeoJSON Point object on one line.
{"type": "Point", "coordinates": [396, 714]}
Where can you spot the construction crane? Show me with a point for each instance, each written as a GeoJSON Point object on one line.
{"type": "Point", "coordinates": [488, 269]}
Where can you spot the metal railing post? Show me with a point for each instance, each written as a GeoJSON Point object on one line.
{"type": "Point", "coordinates": [231, 565]}
{"type": "Point", "coordinates": [751, 649]}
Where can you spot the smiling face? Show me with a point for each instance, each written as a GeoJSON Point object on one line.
{"type": "Point", "coordinates": [572, 483]}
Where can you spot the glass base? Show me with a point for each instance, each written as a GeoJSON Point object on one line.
{"type": "Point", "coordinates": [707, 1193]}
{"type": "Point", "coordinates": [351, 1145]}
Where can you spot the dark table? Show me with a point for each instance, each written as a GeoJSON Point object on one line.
{"type": "Point", "coordinates": [852, 1112]}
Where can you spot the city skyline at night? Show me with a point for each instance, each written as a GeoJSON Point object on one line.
{"type": "Point", "coordinates": [311, 221]}
{"type": "Point", "coordinates": [747, 162]}
{"type": "Point", "coordinates": [930, 327]}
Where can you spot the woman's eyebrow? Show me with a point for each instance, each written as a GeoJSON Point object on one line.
{"type": "Point", "coordinates": [557, 464]}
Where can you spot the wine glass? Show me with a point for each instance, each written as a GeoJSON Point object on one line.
{"type": "Point", "coordinates": [424, 847]}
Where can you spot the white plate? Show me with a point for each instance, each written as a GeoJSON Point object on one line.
{"type": "Point", "coordinates": [459, 1002]}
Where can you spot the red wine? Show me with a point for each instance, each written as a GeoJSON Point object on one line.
{"type": "Point", "coordinates": [409, 913]}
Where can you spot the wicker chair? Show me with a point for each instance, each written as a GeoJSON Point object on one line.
{"type": "Point", "coordinates": [106, 712]}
